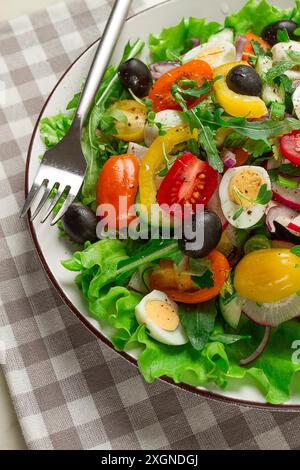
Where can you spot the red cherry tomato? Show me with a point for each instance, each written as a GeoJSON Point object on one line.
{"type": "Point", "coordinates": [290, 147]}
{"type": "Point", "coordinates": [119, 177]}
{"type": "Point", "coordinates": [190, 181]}
{"type": "Point", "coordinates": [160, 93]}
{"type": "Point", "coordinates": [248, 47]}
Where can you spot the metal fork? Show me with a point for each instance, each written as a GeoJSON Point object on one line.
{"type": "Point", "coordinates": [63, 167]}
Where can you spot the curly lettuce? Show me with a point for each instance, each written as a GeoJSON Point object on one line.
{"type": "Point", "coordinates": [176, 40]}
{"type": "Point", "coordinates": [257, 14]}
{"type": "Point", "coordinates": [216, 361]}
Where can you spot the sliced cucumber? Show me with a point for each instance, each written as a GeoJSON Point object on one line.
{"type": "Point", "coordinates": [271, 93]}
{"type": "Point", "coordinates": [231, 311]}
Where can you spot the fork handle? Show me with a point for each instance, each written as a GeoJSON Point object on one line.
{"type": "Point", "coordinates": [102, 57]}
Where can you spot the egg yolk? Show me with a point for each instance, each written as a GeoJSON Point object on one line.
{"type": "Point", "coordinates": [244, 187]}
{"type": "Point", "coordinates": [267, 276]}
{"type": "Point", "coordinates": [162, 314]}
{"type": "Point", "coordinates": [210, 56]}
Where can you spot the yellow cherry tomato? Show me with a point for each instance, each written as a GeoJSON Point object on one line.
{"type": "Point", "coordinates": [136, 114]}
{"type": "Point", "coordinates": [268, 276]}
{"type": "Point", "coordinates": [235, 104]}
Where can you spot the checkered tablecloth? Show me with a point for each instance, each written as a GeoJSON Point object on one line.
{"type": "Point", "coordinates": [69, 390]}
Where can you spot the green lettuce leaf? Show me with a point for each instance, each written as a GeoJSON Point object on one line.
{"type": "Point", "coordinates": [53, 129]}
{"type": "Point", "coordinates": [117, 307]}
{"type": "Point", "coordinates": [181, 363]}
{"type": "Point", "coordinates": [175, 41]}
{"type": "Point", "coordinates": [256, 15]}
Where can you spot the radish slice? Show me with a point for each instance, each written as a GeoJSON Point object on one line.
{"type": "Point", "coordinates": [260, 349]}
{"type": "Point", "coordinates": [286, 196]}
{"type": "Point", "coordinates": [295, 225]}
{"type": "Point", "coordinates": [272, 314]}
{"type": "Point", "coordinates": [281, 214]}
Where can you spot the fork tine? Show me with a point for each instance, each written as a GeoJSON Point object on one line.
{"type": "Point", "coordinates": [30, 198]}
{"type": "Point", "coordinates": [69, 200]}
{"type": "Point", "coordinates": [43, 200]}
{"type": "Point", "coordinates": [52, 205]}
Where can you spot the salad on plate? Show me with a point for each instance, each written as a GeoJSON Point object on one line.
{"type": "Point", "coordinates": [187, 228]}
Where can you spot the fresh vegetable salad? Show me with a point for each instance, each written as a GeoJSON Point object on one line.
{"type": "Point", "coordinates": [201, 142]}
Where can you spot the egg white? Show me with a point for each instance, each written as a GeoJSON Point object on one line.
{"type": "Point", "coordinates": [296, 102]}
{"type": "Point", "coordinates": [280, 51]}
{"type": "Point", "coordinates": [228, 54]}
{"type": "Point", "coordinates": [250, 216]}
{"type": "Point", "coordinates": [168, 118]}
{"type": "Point", "coordinates": [172, 338]}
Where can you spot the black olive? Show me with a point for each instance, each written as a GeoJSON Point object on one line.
{"type": "Point", "coordinates": [135, 75]}
{"type": "Point", "coordinates": [283, 233]}
{"type": "Point", "coordinates": [208, 227]}
{"type": "Point", "coordinates": [270, 33]}
{"type": "Point", "coordinates": [80, 224]}
{"type": "Point", "coordinates": [244, 80]}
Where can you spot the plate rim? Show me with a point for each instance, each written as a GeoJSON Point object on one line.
{"type": "Point", "coordinates": [189, 388]}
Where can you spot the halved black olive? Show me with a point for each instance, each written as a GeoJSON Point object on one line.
{"type": "Point", "coordinates": [244, 80]}
{"type": "Point", "coordinates": [270, 33]}
{"type": "Point", "coordinates": [208, 229]}
{"type": "Point", "coordinates": [80, 224]}
{"type": "Point", "coordinates": [136, 76]}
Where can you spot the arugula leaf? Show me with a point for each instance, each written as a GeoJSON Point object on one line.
{"type": "Point", "coordinates": [208, 142]}
{"type": "Point", "coordinates": [277, 70]}
{"type": "Point", "coordinates": [258, 49]}
{"type": "Point", "coordinates": [199, 322]}
{"type": "Point", "coordinates": [255, 130]}
{"type": "Point", "coordinates": [206, 281]}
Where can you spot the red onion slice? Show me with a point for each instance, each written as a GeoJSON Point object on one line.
{"type": "Point", "coordinates": [260, 348]}
{"type": "Point", "coordinates": [158, 69]}
{"type": "Point", "coordinates": [240, 46]}
{"type": "Point", "coordinates": [228, 158]}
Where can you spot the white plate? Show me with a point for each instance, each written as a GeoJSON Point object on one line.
{"type": "Point", "coordinates": [53, 249]}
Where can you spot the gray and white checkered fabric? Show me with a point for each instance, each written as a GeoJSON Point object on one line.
{"type": "Point", "coordinates": [69, 390]}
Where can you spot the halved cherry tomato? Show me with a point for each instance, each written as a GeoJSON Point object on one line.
{"type": "Point", "coordinates": [290, 147]}
{"type": "Point", "coordinates": [171, 285]}
{"type": "Point", "coordinates": [248, 47]}
{"type": "Point", "coordinates": [135, 114]}
{"type": "Point", "coordinates": [160, 93]}
{"type": "Point", "coordinates": [189, 181]}
{"type": "Point", "coordinates": [119, 177]}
